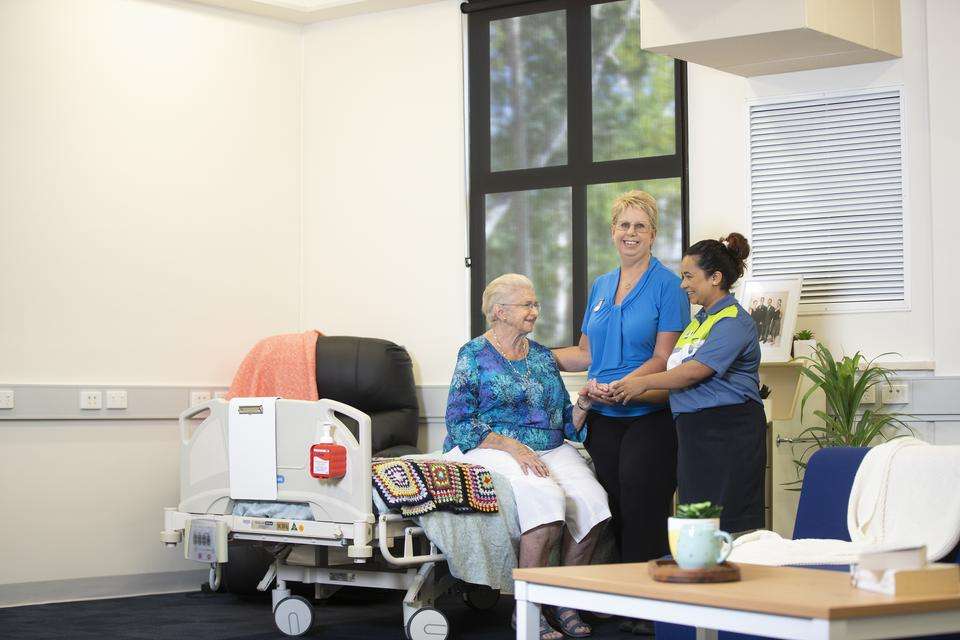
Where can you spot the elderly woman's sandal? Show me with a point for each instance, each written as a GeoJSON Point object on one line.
{"type": "Point", "coordinates": [569, 622]}
{"type": "Point", "coordinates": [546, 631]}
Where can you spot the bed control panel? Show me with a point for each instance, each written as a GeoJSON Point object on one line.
{"type": "Point", "coordinates": [206, 540]}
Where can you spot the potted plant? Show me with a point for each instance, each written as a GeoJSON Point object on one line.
{"type": "Point", "coordinates": [700, 513]}
{"type": "Point", "coordinates": [803, 343]}
{"type": "Point", "coordinates": [844, 384]}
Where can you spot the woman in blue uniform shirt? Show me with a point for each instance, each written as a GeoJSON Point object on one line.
{"type": "Point", "coordinates": [633, 318]}
{"type": "Point", "coordinates": [714, 388]}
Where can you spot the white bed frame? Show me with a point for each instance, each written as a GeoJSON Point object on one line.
{"type": "Point", "coordinates": [331, 550]}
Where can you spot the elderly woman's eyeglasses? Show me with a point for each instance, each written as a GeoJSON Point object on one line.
{"type": "Point", "coordinates": [526, 305]}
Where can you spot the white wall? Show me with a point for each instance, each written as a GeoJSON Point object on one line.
{"type": "Point", "coordinates": [943, 25]}
{"type": "Point", "coordinates": [384, 194]}
{"type": "Point", "coordinates": [149, 190]}
{"type": "Point", "coordinates": [149, 234]}
{"type": "Point", "coordinates": [718, 183]}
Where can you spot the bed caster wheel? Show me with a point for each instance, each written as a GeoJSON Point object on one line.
{"type": "Point", "coordinates": [293, 616]}
{"type": "Point", "coordinates": [427, 624]}
{"type": "Point", "coordinates": [215, 577]}
{"type": "Point", "coordinates": [481, 598]}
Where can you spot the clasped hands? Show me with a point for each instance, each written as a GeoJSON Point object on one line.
{"type": "Point", "coordinates": [622, 391]}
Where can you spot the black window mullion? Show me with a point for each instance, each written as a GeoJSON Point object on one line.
{"type": "Point", "coordinates": [680, 99]}
{"type": "Point", "coordinates": [580, 145]}
{"type": "Point", "coordinates": [478, 31]}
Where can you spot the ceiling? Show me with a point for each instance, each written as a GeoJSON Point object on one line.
{"type": "Point", "coordinates": [308, 11]}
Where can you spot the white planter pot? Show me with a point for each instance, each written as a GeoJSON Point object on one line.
{"type": "Point", "coordinates": [804, 348]}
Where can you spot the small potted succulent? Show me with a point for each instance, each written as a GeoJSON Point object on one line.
{"type": "Point", "coordinates": [696, 513]}
{"type": "Point", "coordinates": [804, 344]}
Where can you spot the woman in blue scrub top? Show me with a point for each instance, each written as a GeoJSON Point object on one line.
{"type": "Point", "coordinates": [634, 316]}
{"type": "Point", "coordinates": [714, 386]}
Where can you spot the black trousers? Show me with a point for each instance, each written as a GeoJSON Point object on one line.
{"type": "Point", "coordinates": [636, 462]}
{"type": "Point", "coordinates": [722, 458]}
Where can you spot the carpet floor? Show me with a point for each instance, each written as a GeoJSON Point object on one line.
{"type": "Point", "coordinates": [350, 614]}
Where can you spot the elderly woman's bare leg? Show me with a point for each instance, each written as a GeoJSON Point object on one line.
{"type": "Point", "coordinates": [535, 547]}
{"type": "Point", "coordinates": [536, 544]}
{"type": "Point", "coordinates": [576, 553]}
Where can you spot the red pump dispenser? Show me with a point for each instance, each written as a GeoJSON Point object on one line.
{"type": "Point", "coordinates": [327, 459]}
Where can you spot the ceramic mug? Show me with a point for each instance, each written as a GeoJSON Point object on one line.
{"type": "Point", "coordinates": [675, 524]}
{"type": "Point", "coordinates": [702, 546]}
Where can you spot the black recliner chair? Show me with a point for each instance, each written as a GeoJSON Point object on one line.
{"type": "Point", "coordinates": [373, 375]}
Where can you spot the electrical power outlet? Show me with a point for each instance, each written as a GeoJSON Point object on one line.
{"type": "Point", "coordinates": [116, 398]}
{"type": "Point", "coordinates": [7, 397]}
{"type": "Point", "coordinates": [869, 396]}
{"type": "Point", "coordinates": [91, 399]}
{"type": "Point", "coordinates": [199, 397]}
{"type": "Point", "coordinates": [895, 394]}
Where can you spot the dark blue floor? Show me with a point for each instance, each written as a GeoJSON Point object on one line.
{"type": "Point", "coordinates": [351, 614]}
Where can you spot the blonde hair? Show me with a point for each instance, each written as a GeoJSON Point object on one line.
{"type": "Point", "coordinates": [498, 290]}
{"type": "Point", "coordinates": [638, 200]}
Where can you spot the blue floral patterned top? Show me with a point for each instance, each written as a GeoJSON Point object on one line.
{"type": "Point", "coordinates": [524, 400]}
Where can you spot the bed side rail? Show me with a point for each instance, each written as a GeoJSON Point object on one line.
{"type": "Point", "coordinates": [408, 558]}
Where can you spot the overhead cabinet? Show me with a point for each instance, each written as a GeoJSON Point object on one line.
{"type": "Point", "coordinates": [759, 37]}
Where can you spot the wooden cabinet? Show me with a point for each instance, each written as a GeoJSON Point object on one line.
{"type": "Point", "coordinates": [758, 37]}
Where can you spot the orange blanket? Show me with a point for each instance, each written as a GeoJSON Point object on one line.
{"type": "Point", "coordinates": [284, 366]}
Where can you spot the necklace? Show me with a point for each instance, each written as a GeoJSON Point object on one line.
{"type": "Point", "coordinates": [525, 375]}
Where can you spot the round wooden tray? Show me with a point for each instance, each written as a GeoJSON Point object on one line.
{"type": "Point", "coordinates": [668, 571]}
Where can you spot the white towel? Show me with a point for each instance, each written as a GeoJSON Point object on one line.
{"type": "Point", "coordinates": [905, 493]}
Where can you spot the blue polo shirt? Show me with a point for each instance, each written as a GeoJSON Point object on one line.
{"type": "Point", "coordinates": [732, 350]}
{"type": "Point", "coordinates": [622, 337]}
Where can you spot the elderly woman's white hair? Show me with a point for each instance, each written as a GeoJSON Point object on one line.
{"type": "Point", "coordinates": [499, 290]}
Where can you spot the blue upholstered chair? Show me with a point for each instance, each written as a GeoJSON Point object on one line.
{"type": "Point", "coordinates": [822, 513]}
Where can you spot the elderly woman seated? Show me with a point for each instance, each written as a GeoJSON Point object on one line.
{"type": "Point", "coordinates": [509, 411]}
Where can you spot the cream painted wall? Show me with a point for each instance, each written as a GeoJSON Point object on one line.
{"type": "Point", "coordinates": [86, 499]}
{"type": "Point", "coordinates": [718, 178]}
{"type": "Point", "coordinates": [384, 195]}
{"type": "Point", "coordinates": [149, 190]}
{"type": "Point", "coordinates": [943, 24]}
{"type": "Point", "coordinates": [149, 234]}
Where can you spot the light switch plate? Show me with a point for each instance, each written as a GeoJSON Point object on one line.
{"type": "Point", "coordinates": [7, 398]}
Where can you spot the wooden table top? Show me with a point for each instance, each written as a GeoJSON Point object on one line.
{"type": "Point", "coordinates": [789, 591]}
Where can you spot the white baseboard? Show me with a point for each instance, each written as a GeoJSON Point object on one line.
{"type": "Point", "coordinates": [99, 588]}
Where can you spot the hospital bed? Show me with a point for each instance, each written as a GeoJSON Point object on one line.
{"type": "Point", "coordinates": [254, 472]}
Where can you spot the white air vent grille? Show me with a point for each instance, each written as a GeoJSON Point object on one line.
{"type": "Point", "coordinates": [826, 192]}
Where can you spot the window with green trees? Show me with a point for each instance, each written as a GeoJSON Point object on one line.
{"type": "Point", "coordinates": [565, 112]}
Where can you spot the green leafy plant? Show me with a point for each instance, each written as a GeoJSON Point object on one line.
{"type": "Point", "coordinates": [698, 510]}
{"type": "Point", "coordinates": [803, 334]}
{"type": "Point", "coordinates": [844, 384]}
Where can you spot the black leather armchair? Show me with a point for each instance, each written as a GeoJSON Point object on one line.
{"type": "Point", "coordinates": [375, 376]}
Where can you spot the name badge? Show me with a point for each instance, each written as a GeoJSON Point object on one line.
{"type": "Point", "coordinates": [599, 304]}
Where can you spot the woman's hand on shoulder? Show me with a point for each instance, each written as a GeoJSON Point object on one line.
{"type": "Point", "coordinates": [627, 390]}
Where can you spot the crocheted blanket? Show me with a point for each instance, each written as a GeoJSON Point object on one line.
{"type": "Point", "coordinates": [415, 487]}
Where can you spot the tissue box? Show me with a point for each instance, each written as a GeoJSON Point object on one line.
{"type": "Point", "coordinates": [933, 579]}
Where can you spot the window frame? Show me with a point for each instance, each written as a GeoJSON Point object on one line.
{"type": "Point", "coordinates": [580, 170]}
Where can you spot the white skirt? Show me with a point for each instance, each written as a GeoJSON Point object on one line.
{"type": "Point", "coordinates": [570, 494]}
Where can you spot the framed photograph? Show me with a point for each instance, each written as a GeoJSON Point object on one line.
{"type": "Point", "coordinates": [773, 305]}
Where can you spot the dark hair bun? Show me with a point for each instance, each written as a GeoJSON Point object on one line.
{"type": "Point", "coordinates": [737, 245]}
